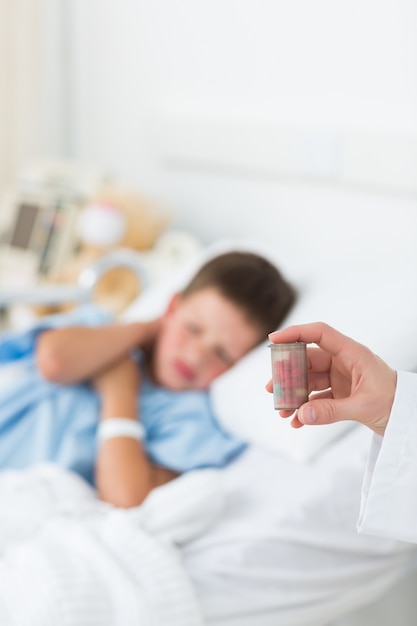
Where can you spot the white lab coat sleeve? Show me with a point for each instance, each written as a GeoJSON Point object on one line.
{"type": "Point", "coordinates": [389, 490]}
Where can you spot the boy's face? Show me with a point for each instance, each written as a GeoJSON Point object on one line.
{"type": "Point", "coordinates": [201, 336]}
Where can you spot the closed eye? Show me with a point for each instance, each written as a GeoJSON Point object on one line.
{"type": "Point", "coordinates": [224, 356]}
{"type": "Point", "coordinates": [192, 328]}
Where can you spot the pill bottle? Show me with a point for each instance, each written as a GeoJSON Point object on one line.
{"type": "Point", "coordinates": [289, 375]}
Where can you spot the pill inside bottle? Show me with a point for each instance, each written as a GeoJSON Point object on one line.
{"type": "Point", "coordinates": [289, 375]}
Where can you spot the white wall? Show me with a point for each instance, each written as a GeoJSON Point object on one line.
{"type": "Point", "coordinates": [349, 64]}
{"type": "Point", "coordinates": [109, 95]}
{"type": "Point", "coordinates": [303, 113]}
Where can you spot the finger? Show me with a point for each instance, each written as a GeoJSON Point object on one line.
{"type": "Point", "coordinates": [318, 381]}
{"type": "Point", "coordinates": [295, 422]}
{"type": "Point", "coordinates": [323, 409]}
{"type": "Point", "coordinates": [269, 386]}
{"type": "Point", "coordinates": [318, 360]}
{"type": "Point", "coordinates": [321, 334]}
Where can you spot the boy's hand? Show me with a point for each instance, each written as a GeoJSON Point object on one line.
{"type": "Point", "coordinates": [146, 333]}
{"type": "Point", "coordinates": [118, 385]}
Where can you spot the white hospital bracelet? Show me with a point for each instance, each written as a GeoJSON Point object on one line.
{"type": "Point", "coordinates": [120, 427]}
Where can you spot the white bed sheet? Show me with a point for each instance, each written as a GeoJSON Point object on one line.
{"type": "Point", "coordinates": [285, 550]}
{"type": "Point", "coordinates": [82, 562]}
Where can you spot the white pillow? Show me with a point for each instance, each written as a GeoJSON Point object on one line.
{"type": "Point", "coordinates": [368, 304]}
{"type": "Point", "coordinates": [376, 305]}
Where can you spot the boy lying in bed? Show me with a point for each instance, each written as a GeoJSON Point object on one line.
{"type": "Point", "coordinates": [147, 381]}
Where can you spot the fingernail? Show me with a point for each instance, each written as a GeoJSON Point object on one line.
{"type": "Point", "coordinates": [307, 415]}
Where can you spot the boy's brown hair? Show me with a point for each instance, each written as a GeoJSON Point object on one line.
{"type": "Point", "coordinates": [252, 283]}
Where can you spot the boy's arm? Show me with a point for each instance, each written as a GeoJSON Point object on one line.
{"type": "Point", "coordinates": [124, 474]}
{"type": "Point", "coordinates": [75, 353]}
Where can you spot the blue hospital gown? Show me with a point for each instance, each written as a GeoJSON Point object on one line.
{"type": "Point", "coordinates": [43, 421]}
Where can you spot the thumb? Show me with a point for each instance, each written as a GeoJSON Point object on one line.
{"type": "Point", "coordinates": [326, 411]}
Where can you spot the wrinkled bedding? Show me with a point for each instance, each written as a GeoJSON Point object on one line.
{"type": "Point", "coordinates": [67, 558]}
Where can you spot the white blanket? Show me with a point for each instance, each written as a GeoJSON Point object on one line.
{"type": "Point", "coordinates": [66, 558]}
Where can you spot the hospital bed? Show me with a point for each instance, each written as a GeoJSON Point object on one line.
{"type": "Point", "coordinates": [269, 540]}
